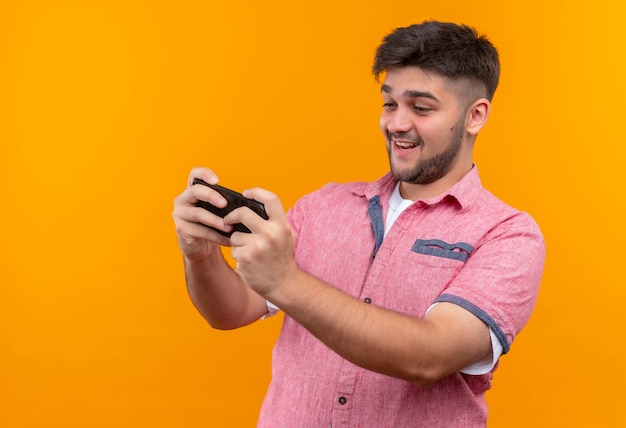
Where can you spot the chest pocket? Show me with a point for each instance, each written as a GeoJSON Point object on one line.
{"type": "Point", "coordinates": [435, 247]}
{"type": "Point", "coordinates": [423, 276]}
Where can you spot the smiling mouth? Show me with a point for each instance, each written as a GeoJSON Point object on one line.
{"type": "Point", "coordinates": [404, 140]}
{"type": "Point", "coordinates": [406, 145]}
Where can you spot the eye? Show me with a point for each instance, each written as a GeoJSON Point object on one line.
{"type": "Point", "coordinates": [421, 109]}
{"type": "Point", "coordinates": [389, 105]}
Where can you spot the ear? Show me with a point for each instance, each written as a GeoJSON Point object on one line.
{"type": "Point", "coordinates": [477, 115]}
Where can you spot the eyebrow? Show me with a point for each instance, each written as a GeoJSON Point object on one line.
{"type": "Point", "coordinates": [410, 93]}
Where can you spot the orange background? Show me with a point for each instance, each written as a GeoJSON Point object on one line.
{"type": "Point", "coordinates": [106, 105]}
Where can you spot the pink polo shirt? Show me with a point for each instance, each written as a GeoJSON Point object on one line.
{"type": "Point", "coordinates": [464, 246]}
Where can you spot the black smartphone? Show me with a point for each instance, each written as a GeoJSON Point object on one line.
{"type": "Point", "coordinates": [235, 200]}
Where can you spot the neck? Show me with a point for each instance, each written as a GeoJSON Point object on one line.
{"type": "Point", "coordinates": [416, 192]}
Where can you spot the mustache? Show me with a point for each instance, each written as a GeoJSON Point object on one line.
{"type": "Point", "coordinates": [404, 136]}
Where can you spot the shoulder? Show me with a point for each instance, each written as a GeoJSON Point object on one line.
{"type": "Point", "coordinates": [344, 193]}
{"type": "Point", "coordinates": [505, 216]}
{"type": "Point", "coordinates": [332, 203]}
{"type": "Point", "coordinates": [326, 197]}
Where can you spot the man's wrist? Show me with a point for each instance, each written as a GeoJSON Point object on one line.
{"type": "Point", "coordinates": [287, 291]}
{"type": "Point", "coordinates": [200, 258]}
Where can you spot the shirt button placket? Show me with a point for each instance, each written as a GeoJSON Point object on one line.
{"type": "Point", "coordinates": [342, 410]}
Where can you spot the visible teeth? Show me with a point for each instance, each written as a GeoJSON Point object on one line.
{"type": "Point", "coordinates": [405, 145]}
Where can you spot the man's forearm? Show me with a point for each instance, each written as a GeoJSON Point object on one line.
{"type": "Point", "coordinates": [220, 295]}
{"type": "Point", "coordinates": [417, 350]}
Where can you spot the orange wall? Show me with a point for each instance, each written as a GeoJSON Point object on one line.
{"type": "Point", "coordinates": [106, 105]}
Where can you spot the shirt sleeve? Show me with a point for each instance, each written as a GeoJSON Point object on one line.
{"type": "Point", "coordinates": [272, 309]}
{"type": "Point", "coordinates": [485, 365]}
{"type": "Point", "coordinates": [500, 281]}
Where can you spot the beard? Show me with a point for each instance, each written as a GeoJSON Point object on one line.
{"type": "Point", "coordinates": [426, 171]}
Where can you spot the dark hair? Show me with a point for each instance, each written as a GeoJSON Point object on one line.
{"type": "Point", "coordinates": [451, 50]}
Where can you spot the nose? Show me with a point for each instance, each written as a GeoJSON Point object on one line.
{"type": "Point", "coordinates": [397, 121]}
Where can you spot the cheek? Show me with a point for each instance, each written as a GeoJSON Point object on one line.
{"type": "Point", "coordinates": [437, 130]}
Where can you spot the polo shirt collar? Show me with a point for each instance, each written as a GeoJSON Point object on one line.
{"type": "Point", "coordinates": [464, 192]}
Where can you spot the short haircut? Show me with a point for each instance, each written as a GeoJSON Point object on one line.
{"type": "Point", "coordinates": [455, 51]}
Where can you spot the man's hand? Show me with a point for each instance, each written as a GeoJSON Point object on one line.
{"type": "Point", "coordinates": [195, 240]}
{"type": "Point", "coordinates": [265, 257]}
{"type": "Point", "coordinates": [218, 292]}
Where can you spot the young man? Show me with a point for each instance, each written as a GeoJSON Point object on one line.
{"type": "Point", "coordinates": [399, 295]}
